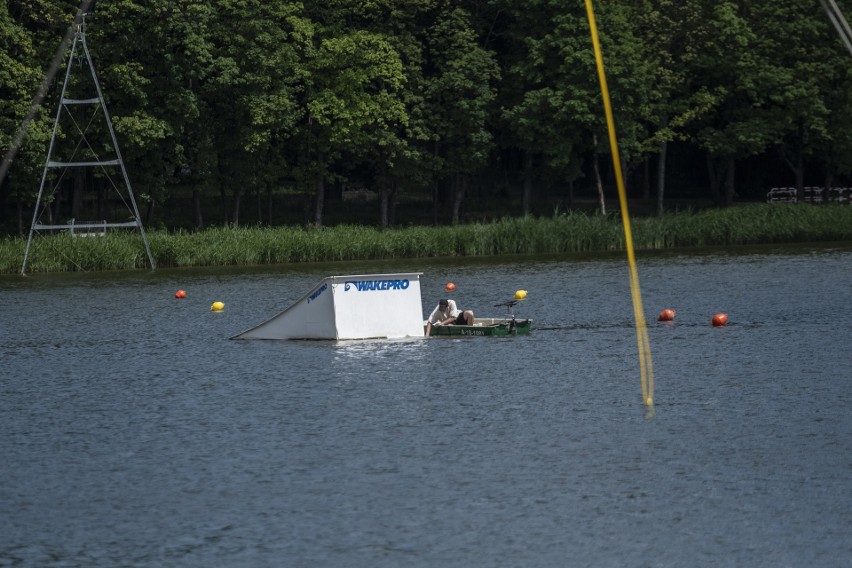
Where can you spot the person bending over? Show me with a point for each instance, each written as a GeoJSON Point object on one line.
{"type": "Point", "coordinates": [447, 313]}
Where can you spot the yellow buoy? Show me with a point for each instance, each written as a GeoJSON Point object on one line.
{"type": "Point", "coordinates": [217, 306]}
{"type": "Point", "coordinates": [520, 294]}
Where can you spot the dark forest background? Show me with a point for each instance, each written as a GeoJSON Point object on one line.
{"type": "Point", "coordinates": [425, 111]}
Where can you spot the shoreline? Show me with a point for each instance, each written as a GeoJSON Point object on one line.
{"type": "Point", "coordinates": [569, 232]}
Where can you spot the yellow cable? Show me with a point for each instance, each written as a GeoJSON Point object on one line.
{"type": "Point", "coordinates": [646, 368]}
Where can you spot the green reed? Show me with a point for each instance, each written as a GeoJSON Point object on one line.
{"type": "Point", "coordinates": [561, 233]}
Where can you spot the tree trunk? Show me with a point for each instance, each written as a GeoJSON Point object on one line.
{"type": "Point", "coordinates": [435, 203]}
{"type": "Point", "coordinates": [149, 213]}
{"type": "Point", "coordinates": [459, 188]}
{"type": "Point", "coordinates": [102, 202]}
{"type": "Point", "coordinates": [597, 170]}
{"type": "Point", "coordinates": [661, 178]}
{"type": "Point", "coordinates": [259, 202]}
{"type": "Point", "coordinates": [196, 204]}
{"type": "Point", "coordinates": [800, 177]}
{"type": "Point", "coordinates": [384, 194]}
{"type": "Point", "coordinates": [646, 180]}
{"type": "Point", "coordinates": [57, 206]}
{"type": "Point", "coordinates": [77, 195]}
{"type": "Point", "coordinates": [795, 161]}
{"type": "Point", "coordinates": [626, 175]}
{"type": "Point", "coordinates": [570, 193]}
{"type": "Point", "coordinates": [384, 206]}
{"type": "Point", "coordinates": [528, 183]}
{"type": "Point", "coordinates": [223, 199]}
{"type": "Point", "coordinates": [435, 191]}
{"type": "Point", "coordinates": [269, 204]}
{"type": "Point", "coordinates": [730, 188]}
{"type": "Point", "coordinates": [20, 208]}
{"type": "Point", "coordinates": [715, 182]}
{"type": "Point", "coordinates": [393, 199]}
{"type": "Point", "coordinates": [829, 181]}
{"type": "Point", "coordinates": [319, 186]}
{"type": "Point", "coordinates": [235, 215]}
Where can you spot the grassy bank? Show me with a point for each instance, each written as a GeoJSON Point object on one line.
{"type": "Point", "coordinates": [570, 232]}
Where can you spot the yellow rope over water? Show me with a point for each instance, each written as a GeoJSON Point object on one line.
{"type": "Point", "coordinates": [646, 367]}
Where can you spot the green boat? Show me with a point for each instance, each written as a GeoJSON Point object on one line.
{"type": "Point", "coordinates": [497, 327]}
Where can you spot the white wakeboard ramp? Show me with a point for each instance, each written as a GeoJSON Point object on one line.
{"type": "Point", "coordinates": [366, 306]}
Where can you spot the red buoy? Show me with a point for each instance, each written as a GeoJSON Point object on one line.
{"type": "Point", "coordinates": [450, 287]}
{"type": "Point", "coordinates": [667, 315]}
{"type": "Point", "coordinates": [719, 320]}
{"type": "Point", "coordinates": [180, 294]}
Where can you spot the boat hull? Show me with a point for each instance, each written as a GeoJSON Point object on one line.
{"type": "Point", "coordinates": [486, 327]}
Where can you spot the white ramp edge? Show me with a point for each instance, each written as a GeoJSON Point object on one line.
{"type": "Point", "coordinates": [363, 306]}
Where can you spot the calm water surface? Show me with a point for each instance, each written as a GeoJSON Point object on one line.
{"type": "Point", "coordinates": [134, 433]}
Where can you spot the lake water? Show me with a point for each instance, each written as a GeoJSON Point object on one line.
{"type": "Point", "coordinates": [133, 432]}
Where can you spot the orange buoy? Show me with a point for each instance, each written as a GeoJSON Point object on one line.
{"type": "Point", "coordinates": [667, 315]}
{"type": "Point", "coordinates": [719, 320]}
{"type": "Point", "coordinates": [450, 287]}
{"type": "Point", "coordinates": [180, 294]}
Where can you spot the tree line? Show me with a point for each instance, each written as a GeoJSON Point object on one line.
{"type": "Point", "coordinates": [229, 98]}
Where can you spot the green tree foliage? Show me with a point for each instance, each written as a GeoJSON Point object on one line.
{"type": "Point", "coordinates": [548, 98]}
{"type": "Point", "coordinates": [29, 32]}
{"type": "Point", "coordinates": [461, 85]}
{"type": "Point", "coordinates": [675, 34]}
{"type": "Point", "coordinates": [250, 94]}
{"type": "Point", "coordinates": [217, 104]}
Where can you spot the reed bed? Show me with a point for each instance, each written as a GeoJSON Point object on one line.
{"type": "Point", "coordinates": [562, 233]}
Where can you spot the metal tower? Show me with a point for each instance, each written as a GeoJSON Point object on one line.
{"type": "Point", "coordinates": [87, 157]}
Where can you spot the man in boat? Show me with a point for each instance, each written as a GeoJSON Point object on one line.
{"type": "Point", "coordinates": [447, 313]}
